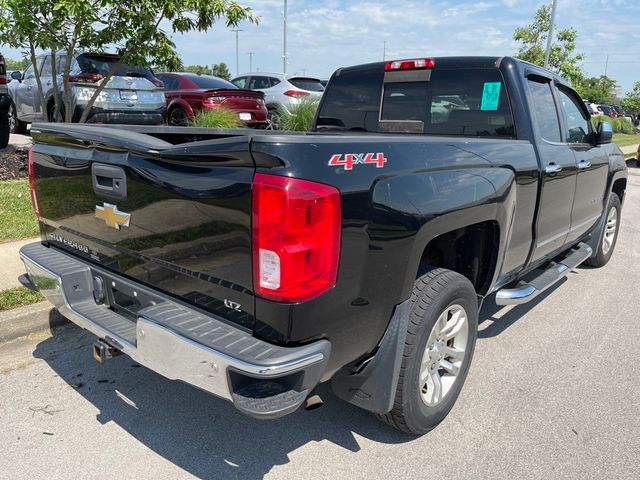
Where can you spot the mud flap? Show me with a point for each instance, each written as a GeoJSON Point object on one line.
{"type": "Point", "coordinates": [374, 387]}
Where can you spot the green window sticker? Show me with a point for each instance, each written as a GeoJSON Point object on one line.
{"type": "Point", "coordinates": [490, 96]}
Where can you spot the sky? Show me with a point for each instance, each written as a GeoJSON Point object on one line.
{"type": "Point", "coordinates": [324, 35]}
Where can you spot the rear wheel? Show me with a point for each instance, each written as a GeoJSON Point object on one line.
{"type": "Point", "coordinates": [437, 353]}
{"type": "Point", "coordinates": [15, 125]}
{"type": "Point", "coordinates": [178, 117]}
{"type": "Point", "coordinates": [273, 120]}
{"type": "Point", "coordinates": [4, 128]}
{"type": "Point", "coordinates": [609, 233]}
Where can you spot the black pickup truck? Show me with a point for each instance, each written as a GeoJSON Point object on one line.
{"type": "Point", "coordinates": [256, 265]}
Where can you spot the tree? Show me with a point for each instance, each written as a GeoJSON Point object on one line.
{"type": "Point", "coordinates": [562, 57]}
{"type": "Point", "coordinates": [631, 102]}
{"type": "Point", "coordinates": [600, 89]}
{"type": "Point", "coordinates": [202, 69]}
{"type": "Point", "coordinates": [221, 70]}
{"type": "Point", "coordinates": [133, 29]}
{"type": "Point", "coordinates": [15, 65]}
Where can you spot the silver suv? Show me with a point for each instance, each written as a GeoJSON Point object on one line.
{"type": "Point", "coordinates": [281, 91]}
{"type": "Point", "coordinates": [132, 96]}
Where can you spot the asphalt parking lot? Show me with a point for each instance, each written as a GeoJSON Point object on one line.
{"type": "Point", "coordinates": [553, 392]}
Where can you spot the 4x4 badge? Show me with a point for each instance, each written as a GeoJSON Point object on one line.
{"type": "Point", "coordinates": [112, 216]}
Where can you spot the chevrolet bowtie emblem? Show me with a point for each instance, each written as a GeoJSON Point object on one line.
{"type": "Point", "coordinates": [112, 216]}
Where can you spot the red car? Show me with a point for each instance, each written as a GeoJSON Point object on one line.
{"type": "Point", "coordinates": [188, 93]}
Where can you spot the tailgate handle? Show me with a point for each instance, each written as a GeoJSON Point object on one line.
{"type": "Point", "coordinates": [109, 181]}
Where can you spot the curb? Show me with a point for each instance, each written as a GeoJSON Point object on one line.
{"type": "Point", "coordinates": [23, 321]}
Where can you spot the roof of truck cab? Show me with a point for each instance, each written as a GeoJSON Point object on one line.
{"type": "Point", "coordinates": [464, 62]}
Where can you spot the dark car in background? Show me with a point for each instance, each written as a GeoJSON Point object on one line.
{"type": "Point", "coordinates": [619, 110]}
{"type": "Point", "coordinates": [188, 93]}
{"type": "Point", "coordinates": [609, 111]}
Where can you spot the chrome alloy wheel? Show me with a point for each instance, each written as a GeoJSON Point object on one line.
{"type": "Point", "coordinates": [610, 230]}
{"type": "Point", "coordinates": [443, 355]}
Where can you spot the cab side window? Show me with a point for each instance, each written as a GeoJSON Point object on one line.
{"type": "Point", "coordinates": [546, 116]}
{"type": "Point", "coordinates": [578, 126]}
{"type": "Point", "coordinates": [46, 67]}
{"type": "Point", "coordinates": [61, 61]}
{"type": "Point", "coordinates": [258, 83]}
{"type": "Point", "coordinates": [241, 82]}
{"type": "Point", "coordinates": [29, 73]}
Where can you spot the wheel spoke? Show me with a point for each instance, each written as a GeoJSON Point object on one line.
{"type": "Point", "coordinates": [443, 354]}
{"type": "Point", "coordinates": [453, 353]}
{"type": "Point", "coordinates": [434, 385]}
{"type": "Point", "coordinates": [454, 325]}
{"type": "Point", "coordinates": [450, 367]}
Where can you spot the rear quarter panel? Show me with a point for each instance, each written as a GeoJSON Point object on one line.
{"type": "Point", "coordinates": [425, 188]}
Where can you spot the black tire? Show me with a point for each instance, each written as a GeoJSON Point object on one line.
{"type": "Point", "coordinates": [15, 125]}
{"type": "Point", "coordinates": [273, 120]}
{"type": "Point", "coordinates": [178, 117]}
{"type": "Point", "coordinates": [4, 128]}
{"type": "Point", "coordinates": [433, 294]}
{"type": "Point", "coordinates": [602, 254]}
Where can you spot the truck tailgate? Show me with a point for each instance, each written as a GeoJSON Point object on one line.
{"type": "Point", "coordinates": [174, 216]}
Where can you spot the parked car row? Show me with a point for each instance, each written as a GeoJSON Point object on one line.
{"type": "Point", "coordinates": [612, 111]}
{"type": "Point", "coordinates": [137, 95]}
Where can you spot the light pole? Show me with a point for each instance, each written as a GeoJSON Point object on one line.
{"type": "Point", "coordinates": [284, 47]}
{"type": "Point", "coordinates": [550, 37]}
{"type": "Point", "coordinates": [237, 55]}
{"type": "Point", "coordinates": [384, 50]}
{"type": "Point", "coordinates": [251, 54]}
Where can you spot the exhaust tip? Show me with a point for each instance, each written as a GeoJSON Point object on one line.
{"type": "Point", "coordinates": [313, 402]}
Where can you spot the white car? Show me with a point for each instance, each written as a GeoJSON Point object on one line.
{"type": "Point", "coordinates": [281, 91]}
{"type": "Point", "coordinates": [132, 96]}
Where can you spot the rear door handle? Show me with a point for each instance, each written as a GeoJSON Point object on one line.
{"type": "Point", "coordinates": [553, 168]}
{"type": "Point", "coordinates": [583, 164]}
{"type": "Point", "coordinates": [109, 181]}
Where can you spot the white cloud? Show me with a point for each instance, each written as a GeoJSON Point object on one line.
{"type": "Point", "coordinates": [326, 34]}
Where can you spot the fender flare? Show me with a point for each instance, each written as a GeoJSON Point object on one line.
{"type": "Point", "coordinates": [179, 102]}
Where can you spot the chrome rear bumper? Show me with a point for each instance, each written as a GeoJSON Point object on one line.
{"type": "Point", "coordinates": [181, 343]}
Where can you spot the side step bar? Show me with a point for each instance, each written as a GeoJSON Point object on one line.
{"type": "Point", "coordinates": [526, 291]}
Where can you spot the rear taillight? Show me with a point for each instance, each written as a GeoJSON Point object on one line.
{"type": "Point", "coordinates": [296, 238]}
{"type": "Point", "coordinates": [32, 184]}
{"type": "Point", "coordinates": [85, 78]}
{"type": "Point", "coordinates": [212, 101]}
{"type": "Point", "coordinates": [296, 93]}
{"type": "Point", "coordinates": [413, 64]}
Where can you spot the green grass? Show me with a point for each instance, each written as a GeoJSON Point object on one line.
{"type": "Point", "coordinates": [619, 125]}
{"type": "Point", "coordinates": [18, 297]}
{"type": "Point", "coordinates": [623, 139]}
{"type": "Point", "coordinates": [17, 219]}
{"type": "Point", "coordinates": [300, 117]}
{"type": "Point", "coordinates": [217, 118]}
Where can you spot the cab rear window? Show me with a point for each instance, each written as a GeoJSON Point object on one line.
{"type": "Point", "coordinates": [462, 102]}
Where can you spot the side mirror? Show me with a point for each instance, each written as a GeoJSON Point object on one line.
{"type": "Point", "coordinates": [16, 76]}
{"type": "Point", "coordinates": [604, 133]}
